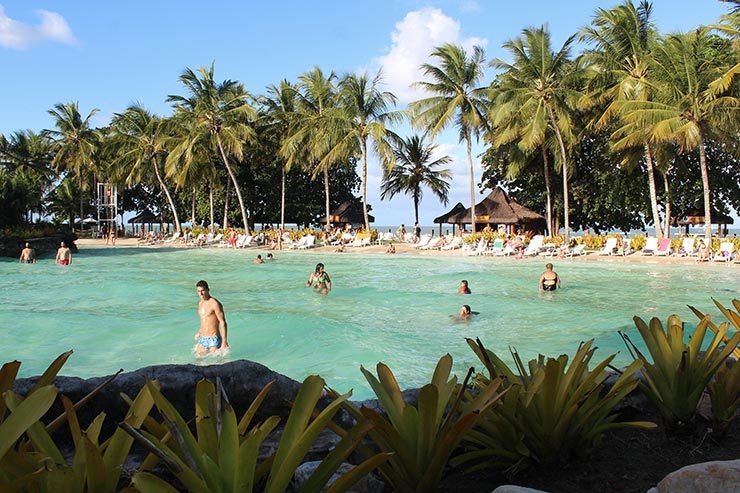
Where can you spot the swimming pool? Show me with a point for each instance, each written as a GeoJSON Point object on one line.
{"type": "Point", "coordinates": [128, 308]}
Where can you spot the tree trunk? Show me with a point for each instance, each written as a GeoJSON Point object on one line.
{"type": "Point", "coordinates": [472, 181]}
{"type": "Point", "coordinates": [226, 206]}
{"type": "Point", "coordinates": [233, 180]}
{"type": "Point", "coordinates": [192, 211]}
{"type": "Point", "coordinates": [326, 194]}
{"type": "Point", "coordinates": [667, 226]}
{"type": "Point", "coordinates": [653, 193]}
{"type": "Point", "coordinates": [705, 184]}
{"type": "Point", "coordinates": [363, 147]}
{"type": "Point", "coordinates": [547, 188]}
{"type": "Point", "coordinates": [282, 207]}
{"type": "Point", "coordinates": [210, 197]}
{"type": "Point", "coordinates": [82, 225]}
{"type": "Point", "coordinates": [416, 208]}
{"type": "Point", "coordinates": [167, 194]}
{"type": "Point", "coordinates": [566, 218]}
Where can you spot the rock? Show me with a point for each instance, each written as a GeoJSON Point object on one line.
{"type": "Point", "coordinates": [369, 484]}
{"type": "Point", "coordinates": [706, 477]}
{"type": "Point", "coordinates": [320, 448]}
{"type": "Point", "coordinates": [511, 488]}
{"type": "Point", "coordinates": [242, 381]}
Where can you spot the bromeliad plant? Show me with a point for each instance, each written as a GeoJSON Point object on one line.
{"type": "Point", "coordinates": [422, 438]}
{"type": "Point", "coordinates": [679, 372]}
{"type": "Point", "coordinates": [224, 453]}
{"type": "Point", "coordinates": [552, 410]}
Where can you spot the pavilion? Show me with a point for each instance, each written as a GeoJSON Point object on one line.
{"type": "Point", "coordinates": [497, 208]}
{"type": "Point", "coordinates": [695, 217]}
{"type": "Point", "coordinates": [445, 218]}
{"type": "Point", "coordinates": [349, 212]}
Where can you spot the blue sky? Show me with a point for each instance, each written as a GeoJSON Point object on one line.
{"type": "Point", "coordinates": [107, 55]}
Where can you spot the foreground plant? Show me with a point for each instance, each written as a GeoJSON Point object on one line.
{"type": "Point", "coordinates": [552, 411]}
{"type": "Point", "coordinates": [422, 438]}
{"type": "Point", "coordinates": [679, 372]}
{"type": "Point", "coordinates": [224, 454]}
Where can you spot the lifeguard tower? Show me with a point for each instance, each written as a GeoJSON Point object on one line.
{"type": "Point", "coordinates": [107, 206]}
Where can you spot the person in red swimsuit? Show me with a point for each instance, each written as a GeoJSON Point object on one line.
{"type": "Point", "coordinates": [64, 255]}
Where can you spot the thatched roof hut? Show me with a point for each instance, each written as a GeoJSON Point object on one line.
{"type": "Point", "coordinates": [445, 218]}
{"type": "Point", "coordinates": [498, 208]}
{"type": "Point", "coordinates": [695, 217]}
{"type": "Point", "coordinates": [349, 212]}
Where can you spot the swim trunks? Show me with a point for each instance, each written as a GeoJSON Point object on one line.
{"type": "Point", "coordinates": [209, 342]}
{"type": "Point", "coordinates": [64, 261]}
{"type": "Point", "coordinates": [549, 287]}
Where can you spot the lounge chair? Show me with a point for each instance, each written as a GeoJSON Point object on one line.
{"type": "Point", "coordinates": [508, 250]}
{"type": "Point", "coordinates": [664, 248]}
{"type": "Point", "coordinates": [609, 247]}
{"type": "Point", "coordinates": [496, 248]}
{"type": "Point", "coordinates": [366, 241]}
{"type": "Point", "coordinates": [434, 244]}
{"type": "Point", "coordinates": [726, 248]}
{"type": "Point", "coordinates": [309, 243]}
{"type": "Point", "coordinates": [651, 244]}
{"type": "Point", "coordinates": [479, 249]}
{"type": "Point", "coordinates": [423, 241]}
{"type": "Point", "coordinates": [299, 244]}
{"type": "Point", "coordinates": [534, 246]}
{"type": "Point", "coordinates": [173, 238]}
{"type": "Point", "coordinates": [454, 244]}
{"type": "Point", "coordinates": [687, 248]}
{"type": "Point", "coordinates": [577, 251]}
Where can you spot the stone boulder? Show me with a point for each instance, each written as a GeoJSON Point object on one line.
{"type": "Point", "coordinates": [511, 488]}
{"type": "Point", "coordinates": [369, 484]}
{"type": "Point", "coordinates": [706, 477]}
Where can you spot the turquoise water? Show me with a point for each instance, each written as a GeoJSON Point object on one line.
{"type": "Point", "coordinates": [128, 308]}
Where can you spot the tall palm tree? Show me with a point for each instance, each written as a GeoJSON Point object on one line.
{"type": "Point", "coordinates": [281, 105]}
{"type": "Point", "coordinates": [415, 168]}
{"type": "Point", "coordinates": [140, 138]}
{"type": "Point", "coordinates": [694, 99]}
{"type": "Point", "coordinates": [220, 114]}
{"type": "Point", "coordinates": [30, 154]}
{"type": "Point", "coordinates": [457, 98]}
{"type": "Point", "coordinates": [364, 113]}
{"type": "Point", "coordinates": [76, 141]}
{"type": "Point", "coordinates": [311, 134]}
{"type": "Point", "coordinates": [620, 63]}
{"type": "Point", "coordinates": [542, 86]}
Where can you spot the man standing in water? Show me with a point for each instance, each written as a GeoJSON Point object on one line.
{"type": "Point", "coordinates": [28, 255]}
{"type": "Point", "coordinates": [549, 280]}
{"type": "Point", "coordinates": [64, 255]}
{"type": "Point", "coordinates": [212, 333]}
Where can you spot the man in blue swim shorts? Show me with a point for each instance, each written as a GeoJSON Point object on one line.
{"type": "Point", "coordinates": [211, 336]}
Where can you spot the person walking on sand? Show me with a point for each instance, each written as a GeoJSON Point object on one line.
{"type": "Point", "coordinates": [64, 255]}
{"type": "Point", "coordinates": [28, 255]}
{"type": "Point", "coordinates": [211, 335]}
{"type": "Point", "coordinates": [549, 280]}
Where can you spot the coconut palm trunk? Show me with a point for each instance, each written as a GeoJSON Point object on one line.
{"type": "Point", "coordinates": [192, 210]}
{"type": "Point", "coordinates": [416, 207]}
{"type": "Point", "coordinates": [548, 199]}
{"type": "Point", "coordinates": [363, 147]}
{"type": "Point", "coordinates": [705, 184]}
{"type": "Point", "coordinates": [233, 180]}
{"type": "Point", "coordinates": [167, 194]}
{"type": "Point", "coordinates": [326, 194]}
{"type": "Point", "coordinates": [472, 181]}
{"type": "Point", "coordinates": [82, 224]}
{"type": "Point", "coordinates": [210, 199]}
{"type": "Point", "coordinates": [561, 143]}
{"type": "Point", "coordinates": [666, 187]}
{"type": "Point", "coordinates": [282, 207]}
{"type": "Point", "coordinates": [226, 205]}
{"type": "Point", "coordinates": [653, 192]}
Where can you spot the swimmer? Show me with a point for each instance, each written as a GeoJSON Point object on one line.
{"type": "Point", "coordinates": [270, 257]}
{"type": "Point", "coordinates": [549, 280]}
{"type": "Point", "coordinates": [28, 255]}
{"type": "Point", "coordinates": [465, 314]}
{"type": "Point", "coordinates": [64, 255]}
{"type": "Point", "coordinates": [211, 336]}
{"type": "Point", "coordinates": [258, 260]}
{"type": "Point", "coordinates": [463, 288]}
{"type": "Point", "coordinates": [321, 278]}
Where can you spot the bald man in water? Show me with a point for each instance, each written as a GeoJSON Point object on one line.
{"type": "Point", "coordinates": [28, 255]}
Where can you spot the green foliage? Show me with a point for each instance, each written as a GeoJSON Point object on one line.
{"type": "Point", "coordinates": [724, 392]}
{"type": "Point", "coordinates": [679, 372]}
{"type": "Point", "coordinates": [552, 411]}
{"type": "Point", "coordinates": [421, 439]}
{"type": "Point", "coordinates": [223, 454]}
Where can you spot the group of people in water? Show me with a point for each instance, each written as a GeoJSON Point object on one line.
{"type": "Point", "coordinates": [63, 257]}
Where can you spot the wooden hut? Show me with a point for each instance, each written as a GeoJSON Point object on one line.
{"type": "Point", "coordinates": [696, 218]}
{"type": "Point", "coordinates": [445, 218]}
{"type": "Point", "coordinates": [145, 218]}
{"type": "Point", "coordinates": [349, 212]}
{"type": "Point", "coordinates": [498, 208]}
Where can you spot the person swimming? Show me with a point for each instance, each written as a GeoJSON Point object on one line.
{"type": "Point", "coordinates": [549, 280]}
{"type": "Point", "coordinates": [258, 260]}
{"type": "Point", "coordinates": [320, 278]}
{"type": "Point", "coordinates": [463, 288]}
{"type": "Point", "coordinates": [465, 314]}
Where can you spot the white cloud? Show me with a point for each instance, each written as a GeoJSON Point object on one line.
{"type": "Point", "coordinates": [413, 39]}
{"type": "Point", "coordinates": [19, 35]}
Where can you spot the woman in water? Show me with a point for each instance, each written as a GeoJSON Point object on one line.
{"type": "Point", "coordinates": [320, 278]}
{"type": "Point", "coordinates": [463, 288]}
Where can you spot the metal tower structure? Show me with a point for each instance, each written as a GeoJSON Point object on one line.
{"type": "Point", "coordinates": [106, 202]}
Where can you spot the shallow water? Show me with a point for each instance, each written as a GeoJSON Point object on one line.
{"type": "Point", "coordinates": [128, 308]}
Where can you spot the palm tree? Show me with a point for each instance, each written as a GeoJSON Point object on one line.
{"type": "Point", "coordinates": [694, 99]}
{"type": "Point", "coordinates": [281, 104]}
{"type": "Point", "coordinates": [140, 139]}
{"type": "Point", "coordinates": [456, 98]}
{"type": "Point", "coordinates": [414, 169]}
{"type": "Point", "coordinates": [30, 153]}
{"type": "Point", "coordinates": [310, 136]}
{"type": "Point", "coordinates": [542, 86]}
{"type": "Point", "coordinates": [364, 112]}
{"type": "Point", "coordinates": [76, 141]}
{"type": "Point", "coordinates": [62, 201]}
{"type": "Point", "coordinates": [220, 115]}
{"type": "Point", "coordinates": [620, 67]}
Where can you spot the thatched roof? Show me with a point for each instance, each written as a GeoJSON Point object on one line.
{"type": "Point", "coordinates": [497, 208]}
{"type": "Point", "coordinates": [696, 216]}
{"type": "Point", "coordinates": [146, 217]}
{"type": "Point", "coordinates": [445, 218]}
{"type": "Point", "coordinates": [350, 211]}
